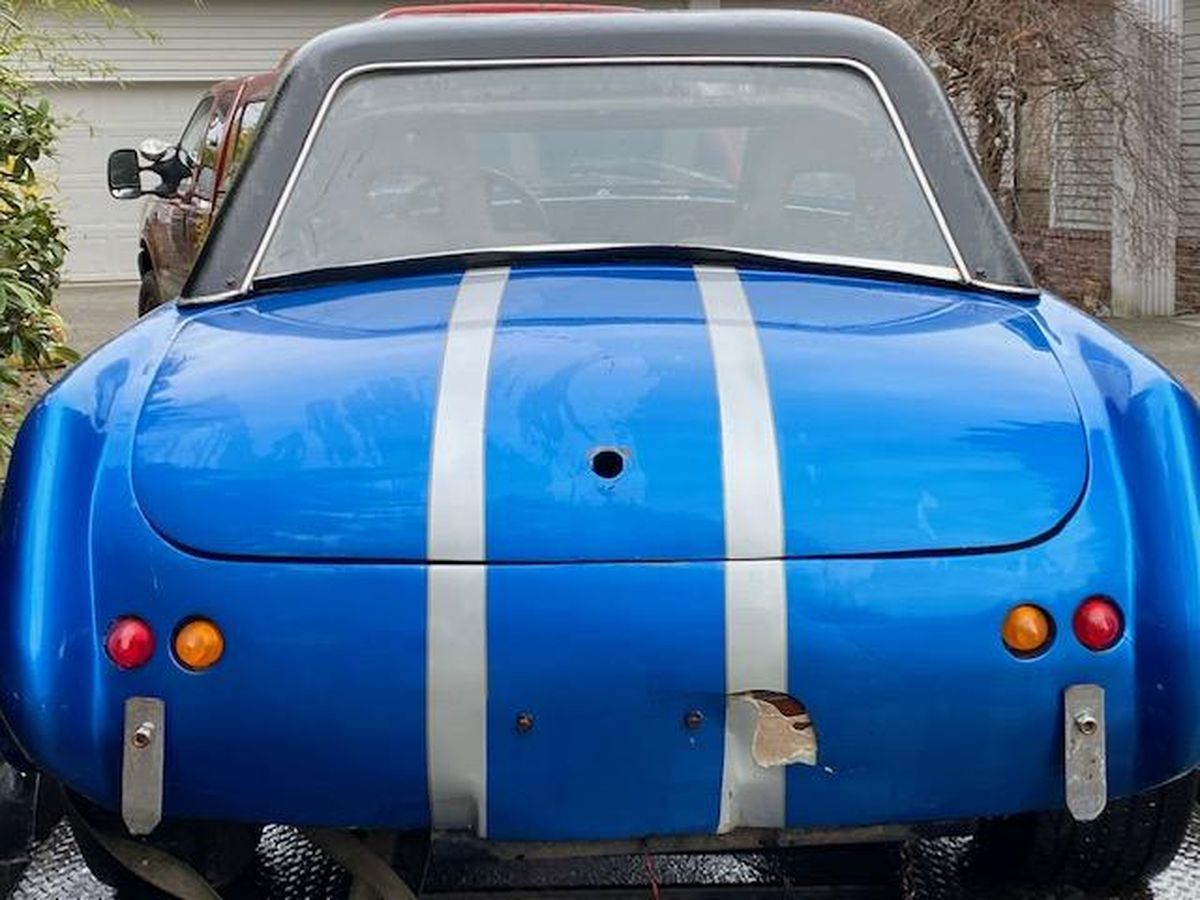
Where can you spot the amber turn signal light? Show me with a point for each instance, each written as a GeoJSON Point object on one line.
{"type": "Point", "coordinates": [1027, 629]}
{"type": "Point", "coordinates": [199, 644]}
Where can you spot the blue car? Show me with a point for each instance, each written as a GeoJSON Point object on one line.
{"type": "Point", "coordinates": [607, 430]}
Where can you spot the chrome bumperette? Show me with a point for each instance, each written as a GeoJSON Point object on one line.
{"type": "Point", "coordinates": [144, 740]}
{"type": "Point", "coordinates": [1085, 762]}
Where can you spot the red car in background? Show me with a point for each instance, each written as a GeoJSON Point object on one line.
{"type": "Point", "coordinates": [196, 170]}
{"type": "Point", "coordinates": [195, 173]}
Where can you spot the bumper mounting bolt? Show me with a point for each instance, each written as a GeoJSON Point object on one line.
{"type": "Point", "coordinates": [693, 720]}
{"type": "Point", "coordinates": [524, 722]}
{"type": "Point", "coordinates": [143, 735]}
{"type": "Point", "coordinates": [1086, 723]}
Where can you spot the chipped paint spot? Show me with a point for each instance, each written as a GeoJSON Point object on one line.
{"type": "Point", "coordinates": [784, 733]}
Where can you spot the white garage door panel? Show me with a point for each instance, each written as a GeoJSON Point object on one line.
{"type": "Point", "coordinates": [103, 232]}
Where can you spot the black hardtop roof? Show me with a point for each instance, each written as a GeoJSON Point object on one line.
{"type": "Point", "coordinates": [978, 229]}
{"type": "Point", "coordinates": [637, 33]}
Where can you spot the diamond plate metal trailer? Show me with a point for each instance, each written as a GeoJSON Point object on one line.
{"type": "Point", "coordinates": [289, 866]}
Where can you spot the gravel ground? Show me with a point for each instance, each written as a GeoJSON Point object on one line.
{"type": "Point", "coordinates": [29, 386]}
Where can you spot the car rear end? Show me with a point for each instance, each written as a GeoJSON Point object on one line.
{"type": "Point", "coordinates": [594, 676]}
{"type": "Point", "coordinates": [602, 449]}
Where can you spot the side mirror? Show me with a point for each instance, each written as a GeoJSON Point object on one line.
{"type": "Point", "coordinates": [124, 175]}
{"type": "Point", "coordinates": [153, 150]}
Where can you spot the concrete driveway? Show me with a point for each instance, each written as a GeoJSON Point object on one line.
{"type": "Point", "coordinates": [95, 313]}
{"type": "Point", "coordinates": [1173, 342]}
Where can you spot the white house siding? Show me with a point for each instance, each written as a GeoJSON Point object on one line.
{"type": "Point", "coordinates": [1081, 163]}
{"type": "Point", "coordinates": [1190, 119]}
{"type": "Point", "coordinates": [1143, 284]}
{"type": "Point", "coordinates": [1094, 186]}
{"type": "Point", "coordinates": [217, 39]}
{"type": "Point", "coordinates": [1187, 258]}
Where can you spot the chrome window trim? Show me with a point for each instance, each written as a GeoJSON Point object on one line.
{"type": "Point", "coordinates": [206, 299]}
{"type": "Point", "coordinates": [919, 270]}
{"type": "Point", "coordinates": [962, 274]}
{"type": "Point", "coordinates": [1005, 288]}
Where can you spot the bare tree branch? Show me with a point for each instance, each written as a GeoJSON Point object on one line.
{"type": "Point", "coordinates": [1090, 74]}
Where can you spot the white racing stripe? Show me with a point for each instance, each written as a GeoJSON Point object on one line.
{"type": "Point", "coordinates": [456, 642]}
{"type": "Point", "coordinates": [755, 590]}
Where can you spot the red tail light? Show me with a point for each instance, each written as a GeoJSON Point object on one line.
{"type": "Point", "coordinates": [1098, 623]}
{"type": "Point", "coordinates": [130, 642]}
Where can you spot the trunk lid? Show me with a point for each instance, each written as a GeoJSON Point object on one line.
{"type": "Point", "coordinates": [908, 419]}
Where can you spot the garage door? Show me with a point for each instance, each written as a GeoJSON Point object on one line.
{"type": "Point", "coordinates": [103, 233]}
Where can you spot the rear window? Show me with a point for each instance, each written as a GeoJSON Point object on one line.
{"type": "Point", "coordinates": [210, 149]}
{"type": "Point", "coordinates": [247, 131]}
{"type": "Point", "coordinates": [800, 159]}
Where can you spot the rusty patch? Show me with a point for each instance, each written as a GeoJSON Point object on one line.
{"type": "Point", "coordinates": [784, 733]}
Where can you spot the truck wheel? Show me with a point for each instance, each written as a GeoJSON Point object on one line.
{"type": "Point", "coordinates": [221, 853]}
{"type": "Point", "coordinates": [148, 295]}
{"type": "Point", "coordinates": [1136, 837]}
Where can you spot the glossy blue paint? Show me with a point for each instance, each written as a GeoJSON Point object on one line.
{"type": "Point", "coordinates": [270, 727]}
{"type": "Point", "coordinates": [925, 693]}
{"type": "Point", "coordinates": [1145, 429]}
{"type": "Point", "coordinates": [913, 420]}
{"type": "Point", "coordinates": [325, 428]}
{"type": "Point", "coordinates": [609, 755]}
{"type": "Point", "coordinates": [317, 713]}
{"type": "Point", "coordinates": [298, 426]}
{"type": "Point", "coordinates": [603, 357]}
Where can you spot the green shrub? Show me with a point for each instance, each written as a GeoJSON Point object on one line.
{"type": "Point", "coordinates": [32, 249]}
{"type": "Point", "coordinates": [32, 239]}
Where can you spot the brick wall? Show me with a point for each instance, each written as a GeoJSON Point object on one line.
{"type": "Point", "coordinates": [1074, 264]}
{"type": "Point", "coordinates": [1187, 275]}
